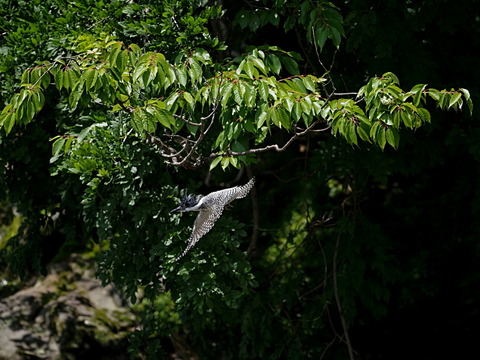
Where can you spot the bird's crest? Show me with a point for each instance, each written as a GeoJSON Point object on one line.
{"type": "Point", "coordinates": [189, 200]}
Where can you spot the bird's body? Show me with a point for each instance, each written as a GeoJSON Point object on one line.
{"type": "Point", "coordinates": [210, 207]}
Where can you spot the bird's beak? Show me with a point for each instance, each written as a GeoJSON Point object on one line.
{"type": "Point", "coordinates": [177, 209]}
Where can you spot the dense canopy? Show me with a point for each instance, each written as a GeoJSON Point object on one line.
{"type": "Point", "coordinates": [360, 238]}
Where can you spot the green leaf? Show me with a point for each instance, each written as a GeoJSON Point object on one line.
{"type": "Point", "coordinates": [393, 137]}
{"type": "Point", "coordinates": [259, 65]}
{"type": "Point", "coordinates": [195, 71]}
{"type": "Point", "coordinates": [90, 76]}
{"type": "Point", "coordinates": [297, 85]}
{"type": "Point", "coordinates": [171, 100]}
{"type": "Point", "coordinates": [112, 58]}
{"type": "Point", "coordinates": [297, 110]}
{"type": "Point", "coordinates": [243, 18]}
{"type": "Point", "coordinates": [225, 93]}
{"type": "Point", "coordinates": [455, 99]}
{"type": "Point", "coordinates": [260, 117]}
{"type": "Point", "coordinates": [424, 115]}
{"type": "Point", "coordinates": [30, 109]}
{"type": "Point", "coordinates": [57, 146]}
{"type": "Point", "coordinates": [362, 131]}
{"type": "Point", "coordinates": [67, 79]}
{"type": "Point", "coordinates": [8, 121]}
{"type": "Point", "coordinates": [374, 130]}
{"type": "Point", "coordinates": [225, 161]}
{"type": "Point", "coordinates": [397, 119]}
{"type": "Point", "coordinates": [391, 78]}
{"type": "Point", "coordinates": [38, 100]}
{"type": "Point", "coordinates": [215, 162]}
{"type": "Point", "coordinates": [181, 76]}
{"type": "Point", "coordinates": [350, 132]}
{"type": "Point", "coordinates": [263, 90]}
{"type": "Point", "coordinates": [273, 62]}
{"type": "Point", "coordinates": [137, 120]}
{"type": "Point", "coordinates": [321, 36]}
{"type": "Point", "coordinates": [381, 138]}
{"type": "Point", "coordinates": [58, 78]}
{"type": "Point", "coordinates": [434, 94]}
{"type": "Point", "coordinates": [237, 94]}
{"type": "Point", "coordinates": [188, 97]}
{"type": "Point", "coordinates": [291, 65]}
{"type": "Point", "coordinates": [26, 77]}
{"type": "Point", "coordinates": [76, 93]}
{"type": "Point", "coordinates": [273, 116]}
{"type": "Point", "coordinates": [283, 118]}
{"type": "Point", "coordinates": [417, 90]}
{"type": "Point", "coordinates": [138, 71]}
{"type": "Point", "coordinates": [250, 70]}
{"type": "Point", "coordinates": [165, 118]}
{"type": "Point", "coordinates": [335, 36]}
{"type": "Point", "coordinates": [407, 118]}
{"type": "Point", "coordinates": [309, 84]}
{"type": "Point", "coordinates": [122, 60]}
{"type": "Point", "coordinates": [466, 94]}
{"type": "Point", "coordinates": [45, 79]}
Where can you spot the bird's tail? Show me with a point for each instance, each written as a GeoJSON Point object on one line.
{"type": "Point", "coordinates": [187, 249]}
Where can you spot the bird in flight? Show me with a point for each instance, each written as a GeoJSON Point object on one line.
{"type": "Point", "coordinates": [210, 208]}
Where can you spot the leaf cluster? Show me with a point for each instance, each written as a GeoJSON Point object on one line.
{"type": "Point", "coordinates": [117, 102]}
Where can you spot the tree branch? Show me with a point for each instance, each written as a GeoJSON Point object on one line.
{"type": "Point", "coordinates": [186, 121]}
{"type": "Point", "coordinates": [339, 304]}
{"type": "Point", "coordinates": [197, 142]}
{"type": "Point", "coordinates": [274, 147]}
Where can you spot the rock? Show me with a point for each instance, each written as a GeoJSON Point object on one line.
{"type": "Point", "coordinates": [66, 315]}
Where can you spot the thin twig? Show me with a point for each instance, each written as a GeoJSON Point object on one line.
{"type": "Point", "coordinates": [46, 71]}
{"type": "Point", "coordinates": [337, 300]}
{"type": "Point", "coordinates": [186, 121]}
{"type": "Point", "coordinates": [352, 93]}
{"type": "Point", "coordinates": [203, 132]}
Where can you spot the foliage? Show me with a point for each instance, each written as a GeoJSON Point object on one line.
{"type": "Point", "coordinates": [150, 91]}
{"type": "Point", "coordinates": [122, 100]}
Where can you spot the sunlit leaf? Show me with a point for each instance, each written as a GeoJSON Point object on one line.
{"type": "Point", "coordinates": [165, 118]}
{"type": "Point", "coordinates": [455, 99]}
{"type": "Point", "coordinates": [274, 63]}
{"type": "Point", "coordinates": [215, 162]}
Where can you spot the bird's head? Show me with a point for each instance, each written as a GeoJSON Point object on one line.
{"type": "Point", "coordinates": [187, 202]}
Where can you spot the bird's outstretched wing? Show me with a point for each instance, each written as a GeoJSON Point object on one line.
{"type": "Point", "coordinates": [203, 224]}
{"type": "Point", "coordinates": [214, 204]}
{"type": "Point", "coordinates": [226, 196]}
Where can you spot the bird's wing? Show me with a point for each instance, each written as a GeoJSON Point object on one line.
{"type": "Point", "coordinates": [207, 218]}
{"type": "Point", "coordinates": [203, 224]}
{"type": "Point", "coordinates": [243, 190]}
{"type": "Point", "coordinates": [230, 194]}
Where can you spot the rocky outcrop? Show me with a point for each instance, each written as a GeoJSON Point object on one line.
{"type": "Point", "coordinates": [67, 314]}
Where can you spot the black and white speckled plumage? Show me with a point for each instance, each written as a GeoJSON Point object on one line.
{"type": "Point", "coordinates": [210, 209]}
